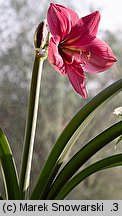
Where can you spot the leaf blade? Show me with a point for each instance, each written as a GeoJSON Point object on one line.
{"type": "Point", "coordinates": [69, 136]}
{"type": "Point", "coordinates": [8, 169]}
{"type": "Point", "coordinates": [82, 156]}
{"type": "Point", "coordinates": [109, 162]}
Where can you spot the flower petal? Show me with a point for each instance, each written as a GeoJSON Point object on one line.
{"type": "Point", "coordinates": [92, 21]}
{"type": "Point", "coordinates": [55, 58]}
{"type": "Point", "coordinates": [84, 31]}
{"type": "Point", "coordinates": [101, 57]}
{"type": "Point", "coordinates": [73, 15]}
{"type": "Point", "coordinates": [60, 20]}
{"type": "Point", "coordinates": [77, 81]}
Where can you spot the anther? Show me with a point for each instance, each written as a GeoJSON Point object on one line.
{"type": "Point", "coordinates": [88, 55]}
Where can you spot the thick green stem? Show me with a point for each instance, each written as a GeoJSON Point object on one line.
{"type": "Point", "coordinates": [31, 125]}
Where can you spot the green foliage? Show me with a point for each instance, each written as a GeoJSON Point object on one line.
{"type": "Point", "coordinates": [43, 188]}
{"type": "Point", "coordinates": [8, 169]}
{"type": "Point", "coordinates": [106, 163]}
{"type": "Point", "coordinates": [82, 156]}
{"type": "Point", "coordinates": [68, 137]}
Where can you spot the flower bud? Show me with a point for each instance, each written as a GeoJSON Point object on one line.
{"type": "Point", "coordinates": [41, 38]}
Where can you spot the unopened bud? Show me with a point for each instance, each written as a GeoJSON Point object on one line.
{"type": "Point", "coordinates": [41, 38]}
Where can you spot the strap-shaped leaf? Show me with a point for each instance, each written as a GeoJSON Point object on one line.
{"type": "Point", "coordinates": [109, 162]}
{"type": "Point", "coordinates": [69, 136]}
{"type": "Point", "coordinates": [82, 156]}
{"type": "Point", "coordinates": [1, 198]}
{"type": "Point", "coordinates": [119, 140]}
{"type": "Point", "coordinates": [8, 169]}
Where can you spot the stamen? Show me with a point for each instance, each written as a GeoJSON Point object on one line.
{"type": "Point", "coordinates": [85, 56]}
{"type": "Point", "coordinates": [72, 60]}
{"type": "Point", "coordinates": [82, 64]}
{"type": "Point", "coordinates": [81, 52]}
{"type": "Point", "coordinates": [89, 55]}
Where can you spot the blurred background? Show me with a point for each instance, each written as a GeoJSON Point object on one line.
{"type": "Point", "coordinates": [59, 102]}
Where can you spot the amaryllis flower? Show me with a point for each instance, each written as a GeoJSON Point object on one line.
{"type": "Point", "coordinates": [73, 47]}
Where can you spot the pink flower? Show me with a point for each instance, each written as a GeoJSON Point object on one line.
{"type": "Point", "coordinates": [73, 47]}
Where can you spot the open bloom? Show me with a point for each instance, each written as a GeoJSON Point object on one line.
{"type": "Point", "coordinates": [73, 47]}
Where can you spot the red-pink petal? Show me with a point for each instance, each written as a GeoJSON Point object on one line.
{"type": "Point", "coordinates": [73, 15]}
{"type": "Point", "coordinates": [92, 22]}
{"type": "Point", "coordinates": [77, 81]}
{"type": "Point", "coordinates": [60, 20]}
{"type": "Point", "coordinates": [101, 57]}
{"type": "Point", "coordinates": [55, 58]}
{"type": "Point", "coordinates": [84, 31]}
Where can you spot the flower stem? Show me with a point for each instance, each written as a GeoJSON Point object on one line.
{"type": "Point", "coordinates": [30, 126]}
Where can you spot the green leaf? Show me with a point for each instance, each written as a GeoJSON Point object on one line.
{"type": "Point", "coordinates": [82, 156]}
{"type": "Point", "coordinates": [109, 162]}
{"type": "Point", "coordinates": [8, 169]}
{"type": "Point", "coordinates": [1, 198]}
{"type": "Point", "coordinates": [119, 140]}
{"type": "Point", "coordinates": [69, 136]}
